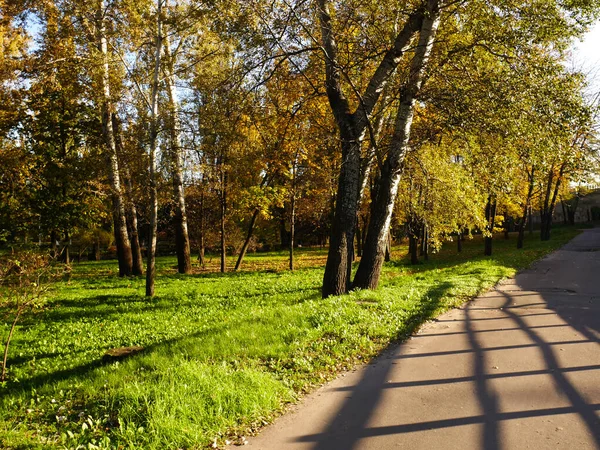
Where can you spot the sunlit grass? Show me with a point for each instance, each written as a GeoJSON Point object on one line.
{"type": "Point", "coordinates": [223, 353]}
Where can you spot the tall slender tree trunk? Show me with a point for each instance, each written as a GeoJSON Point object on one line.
{"type": "Point", "coordinates": [182, 240]}
{"type": "Point", "coordinates": [550, 202]}
{"type": "Point", "coordinates": [490, 216]}
{"type": "Point", "coordinates": [293, 212]}
{"type": "Point", "coordinates": [130, 209]}
{"type": "Point", "coordinates": [54, 239]}
{"type": "Point", "coordinates": [120, 223]}
{"type": "Point", "coordinates": [426, 242]}
{"type": "Point", "coordinates": [459, 240]}
{"type": "Point", "coordinates": [358, 238]}
{"type": "Point", "coordinates": [151, 265]}
{"type": "Point", "coordinates": [66, 252]}
{"type": "Point", "coordinates": [413, 245]}
{"type": "Point", "coordinates": [134, 237]}
{"type": "Point", "coordinates": [369, 269]}
{"type": "Point", "coordinates": [223, 211]}
{"type": "Point", "coordinates": [565, 212]}
{"type": "Point", "coordinates": [388, 248]}
{"type": "Point", "coordinates": [292, 228]}
{"type": "Point", "coordinates": [201, 231]}
{"type": "Point", "coordinates": [526, 209]}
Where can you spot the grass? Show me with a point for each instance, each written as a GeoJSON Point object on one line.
{"type": "Point", "coordinates": [223, 354]}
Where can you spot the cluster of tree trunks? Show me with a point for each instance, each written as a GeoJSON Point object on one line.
{"type": "Point", "coordinates": [352, 127]}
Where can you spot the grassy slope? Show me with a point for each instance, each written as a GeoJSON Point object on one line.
{"type": "Point", "coordinates": [224, 353]}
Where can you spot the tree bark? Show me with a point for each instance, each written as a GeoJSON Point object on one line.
{"type": "Point", "coordinates": [66, 252]}
{"type": "Point", "coordinates": [490, 215]}
{"type": "Point", "coordinates": [201, 231]}
{"type": "Point", "coordinates": [413, 244]}
{"type": "Point", "coordinates": [130, 209]}
{"type": "Point", "coordinates": [118, 210]}
{"type": "Point", "coordinates": [223, 211]}
{"type": "Point", "coordinates": [459, 240]}
{"type": "Point", "coordinates": [182, 240]}
{"type": "Point", "coordinates": [550, 201]}
{"type": "Point", "coordinates": [426, 242]}
{"type": "Point", "coordinates": [134, 238]}
{"type": "Point", "coordinates": [358, 238]}
{"type": "Point", "coordinates": [388, 248]}
{"type": "Point", "coordinates": [526, 208]}
{"type": "Point", "coordinates": [352, 127]}
{"type": "Point", "coordinates": [247, 241]}
{"type": "Point", "coordinates": [151, 265]}
{"type": "Point", "coordinates": [565, 213]}
{"type": "Point", "coordinates": [54, 239]}
{"type": "Point", "coordinates": [369, 269]}
{"type": "Point", "coordinates": [293, 217]}
{"type": "Point", "coordinates": [336, 279]}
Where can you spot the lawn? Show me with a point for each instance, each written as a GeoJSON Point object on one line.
{"type": "Point", "coordinates": [223, 353]}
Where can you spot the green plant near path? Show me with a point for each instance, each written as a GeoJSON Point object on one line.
{"type": "Point", "coordinates": [223, 354]}
{"type": "Point", "coordinates": [25, 279]}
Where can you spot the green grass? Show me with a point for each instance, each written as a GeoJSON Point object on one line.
{"type": "Point", "coordinates": [223, 354]}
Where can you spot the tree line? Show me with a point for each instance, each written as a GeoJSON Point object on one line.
{"type": "Point", "coordinates": [230, 125]}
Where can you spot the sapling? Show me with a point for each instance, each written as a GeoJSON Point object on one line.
{"type": "Point", "coordinates": [24, 282]}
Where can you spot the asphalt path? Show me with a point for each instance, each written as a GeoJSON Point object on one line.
{"type": "Point", "coordinates": [516, 368]}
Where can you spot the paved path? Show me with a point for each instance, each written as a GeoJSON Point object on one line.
{"type": "Point", "coordinates": [518, 368]}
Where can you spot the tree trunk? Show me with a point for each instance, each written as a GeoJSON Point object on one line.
{"type": "Point", "coordinates": [459, 240]}
{"type": "Point", "coordinates": [292, 222]}
{"type": "Point", "coordinates": [358, 238]}
{"type": "Point", "coordinates": [490, 215]}
{"type": "Point", "coordinates": [66, 252]}
{"type": "Point", "coordinates": [54, 239]}
{"type": "Point", "coordinates": [336, 279]}
{"type": "Point", "coordinates": [388, 248]}
{"type": "Point", "coordinates": [97, 249]}
{"type": "Point", "coordinates": [413, 243]}
{"type": "Point", "coordinates": [201, 231]}
{"type": "Point", "coordinates": [182, 240]}
{"type": "Point", "coordinates": [151, 267]}
{"type": "Point", "coordinates": [369, 269]}
{"type": "Point", "coordinates": [247, 241]}
{"type": "Point", "coordinates": [223, 211]}
{"type": "Point", "coordinates": [120, 223]}
{"type": "Point", "coordinates": [526, 209]}
{"type": "Point", "coordinates": [426, 242]}
{"type": "Point", "coordinates": [130, 209]}
{"type": "Point", "coordinates": [550, 202]}
{"type": "Point", "coordinates": [565, 212]}
{"type": "Point", "coordinates": [352, 127]}
{"type": "Point", "coordinates": [134, 238]}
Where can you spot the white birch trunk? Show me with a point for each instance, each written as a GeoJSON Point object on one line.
{"type": "Point", "coordinates": [151, 267]}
